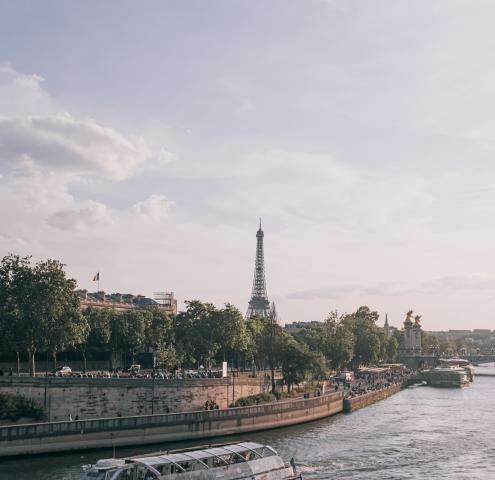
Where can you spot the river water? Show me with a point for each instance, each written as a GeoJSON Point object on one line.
{"type": "Point", "coordinates": [419, 433]}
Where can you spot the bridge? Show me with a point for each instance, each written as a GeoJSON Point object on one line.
{"type": "Point", "coordinates": [417, 361]}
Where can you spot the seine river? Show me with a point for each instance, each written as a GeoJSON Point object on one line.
{"type": "Point", "coordinates": [419, 433]}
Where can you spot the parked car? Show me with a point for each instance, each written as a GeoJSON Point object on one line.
{"type": "Point", "coordinates": [346, 376]}
{"type": "Point", "coordinates": [62, 371]}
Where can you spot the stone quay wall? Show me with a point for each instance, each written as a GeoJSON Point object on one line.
{"type": "Point", "coordinates": [361, 401]}
{"type": "Point", "coordinates": [87, 398]}
{"type": "Point", "coordinates": [149, 429]}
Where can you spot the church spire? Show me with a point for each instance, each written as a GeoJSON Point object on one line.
{"type": "Point", "coordinates": [386, 327]}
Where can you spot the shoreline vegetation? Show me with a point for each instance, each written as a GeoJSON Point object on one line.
{"type": "Point", "coordinates": [16, 407]}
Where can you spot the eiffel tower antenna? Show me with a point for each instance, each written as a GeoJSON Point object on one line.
{"type": "Point", "coordinates": [259, 304]}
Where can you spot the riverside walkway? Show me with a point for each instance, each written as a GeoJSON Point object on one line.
{"type": "Point", "coordinates": [147, 429]}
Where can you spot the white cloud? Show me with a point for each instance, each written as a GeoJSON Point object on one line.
{"type": "Point", "coordinates": [22, 95]}
{"type": "Point", "coordinates": [90, 215]}
{"type": "Point", "coordinates": [36, 189]}
{"type": "Point", "coordinates": [155, 208]}
{"type": "Point", "coordinates": [67, 145]}
{"type": "Point", "coordinates": [47, 154]}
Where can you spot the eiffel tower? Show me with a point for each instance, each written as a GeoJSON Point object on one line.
{"type": "Point", "coordinates": [259, 304]}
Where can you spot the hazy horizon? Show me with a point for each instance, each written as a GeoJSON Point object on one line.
{"type": "Point", "coordinates": [144, 141]}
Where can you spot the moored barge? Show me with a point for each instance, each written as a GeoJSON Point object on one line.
{"type": "Point", "coordinates": [449, 377]}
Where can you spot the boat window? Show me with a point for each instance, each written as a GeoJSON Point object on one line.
{"type": "Point", "coordinates": [127, 474]}
{"type": "Point", "coordinates": [259, 451]}
{"type": "Point", "coordinates": [237, 458]}
{"type": "Point", "coordinates": [143, 473]}
{"type": "Point", "coordinates": [192, 466]}
{"type": "Point", "coordinates": [187, 466]}
{"type": "Point", "coordinates": [137, 473]}
{"type": "Point", "coordinates": [218, 461]}
{"type": "Point", "coordinates": [248, 455]}
{"type": "Point", "coordinates": [175, 468]}
{"type": "Point", "coordinates": [268, 452]}
{"type": "Point", "coordinates": [164, 469]}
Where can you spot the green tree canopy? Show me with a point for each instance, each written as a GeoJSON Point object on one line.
{"type": "Point", "coordinates": [195, 331]}
{"type": "Point", "coordinates": [40, 305]}
{"type": "Point", "coordinates": [297, 361]}
{"type": "Point", "coordinates": [367, 341]}
{"type": "Point", "coordinates": [160, 338]}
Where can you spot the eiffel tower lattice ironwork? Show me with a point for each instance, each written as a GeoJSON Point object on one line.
{"type": "Point", "coordinates": [259, 304]}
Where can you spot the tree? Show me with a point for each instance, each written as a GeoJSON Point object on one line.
{"type": "Point", "coordinates": [58, 307]}
{"type": "Point", "coordinates": [118, 337]}
{"type": "Point", "coordinates": [297, 361]}
{"type": "Point", "coordinates": [100, 326]}
{"type": "Point", "coordinates": [314, 336]}
{"type": "Point", "coordinates": [134, 324]}
{"type": "Point", "coordinates": [10, 340]}
{"type": "Point", "coordinates": [230, 330]}
{"type": "Point", "coordinates": [40, 301]}
{"type": "Point", "coordinates": [338, 341]}
{"type": "Point", "coordinates": [332, 338]}
{"type": "Point", "coordinates": [16, 290]}
{"type": "Point", "coordinates": [256, 344]}
{"type": "Point", "coordinates": [97, 334]}
{"type": "Point", "coordinates": [392, 348]}
{"type": "Point", "coordinates": [195, 333]}
{"type": "Point", "coordinates": [159, 337]}
{"type": "Point", "coordinates": [367, 346]}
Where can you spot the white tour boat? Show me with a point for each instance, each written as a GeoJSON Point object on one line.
{"type": "Point", "coordinates": [249, 461]}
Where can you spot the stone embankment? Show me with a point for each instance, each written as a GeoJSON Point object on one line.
{"type": "Point", "coordinates": [158, 428]}
{"type": "Point", "coordinates": [86, 398]}
{"type": "Point", "coordinates": [148, 429]}
{"type": "Point", "coordinates": [361, 401]}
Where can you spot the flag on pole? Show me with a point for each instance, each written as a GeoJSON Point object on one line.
{"type": "Point", "coordinates": [96, 278]}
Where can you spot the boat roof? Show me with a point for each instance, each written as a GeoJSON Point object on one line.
{"type": "Point", "coordinates": [160, 459]}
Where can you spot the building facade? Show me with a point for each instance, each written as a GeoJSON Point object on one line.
{"type": "Point", "coordinates": [126, 301]}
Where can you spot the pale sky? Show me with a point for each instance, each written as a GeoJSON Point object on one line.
{"type": "Point", "coordinates": [145, 139]}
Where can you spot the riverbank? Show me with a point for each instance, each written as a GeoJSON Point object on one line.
{"type": "Point", "coordinates": [149, 429]}
{"type": "Point", "coordinates": [66, 436]}
{"type": "Point", "coordinates": [361, 401]}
